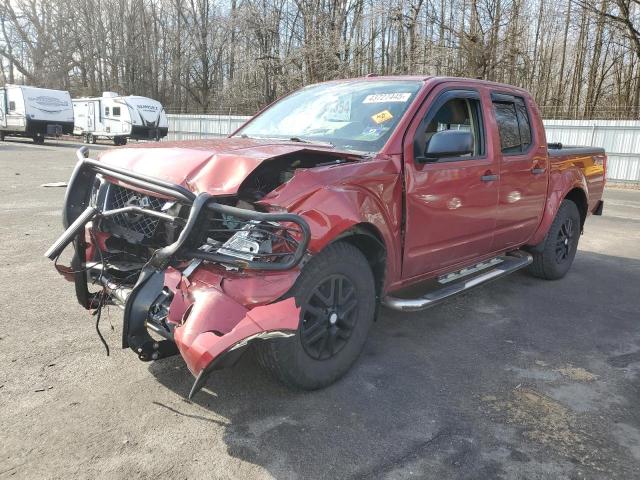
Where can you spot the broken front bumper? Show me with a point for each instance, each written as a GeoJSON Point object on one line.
{"type": "Point", "coordinates": [194, 312]}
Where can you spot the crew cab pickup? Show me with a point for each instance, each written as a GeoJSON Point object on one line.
{"type": "Point", "coordinates": [288, 235]}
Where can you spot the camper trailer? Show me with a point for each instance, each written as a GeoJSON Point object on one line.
{"type": "Point", "coordinates": [118, 118]}
{"type": "Point", "coordinates": [34, 112]}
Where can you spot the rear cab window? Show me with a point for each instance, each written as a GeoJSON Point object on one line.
{"type": "Point", "coordinates": [514, 125]}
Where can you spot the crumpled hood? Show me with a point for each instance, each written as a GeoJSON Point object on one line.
{"type": "Point", "coordinates": [214, 166]}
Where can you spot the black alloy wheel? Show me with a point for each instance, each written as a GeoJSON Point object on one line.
{"type": "Point", "coordinates": [336, 294]}
{"type": "Point", "coordinates": [554, 256]}
{"type": "Point", "coordinates": [564, 240]}
{"type": "Point", "coordinates": [328, 317]}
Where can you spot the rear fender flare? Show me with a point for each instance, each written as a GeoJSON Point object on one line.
{"type": "Point", "coordinates": [561, 183]}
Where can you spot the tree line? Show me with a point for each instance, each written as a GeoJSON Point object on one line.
{"type": "Point", "coordinates": [580, 59]}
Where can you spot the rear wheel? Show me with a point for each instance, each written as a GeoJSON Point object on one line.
{"type": "Point", "coordinates": [560, 245]}
{"type": "Point", "coordinates": [1, 136]}
{"type": "Point", "coordinates": [38, 139]}
{"type": "Point", "coordinates": [336, 296]}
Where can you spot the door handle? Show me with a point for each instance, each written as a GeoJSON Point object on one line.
{"type": "Point", "coordinates": [537, 170]}
{"type": "Point", "coordinates": [489, 177]}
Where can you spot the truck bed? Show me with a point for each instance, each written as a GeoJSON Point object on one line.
{"type": "Point", "coordinates": [591, 160]}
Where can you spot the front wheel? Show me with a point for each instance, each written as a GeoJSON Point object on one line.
{"type": "Point", "coordinates": [560, 244]}
{"type": "Point", "coordinates": [336, 296]}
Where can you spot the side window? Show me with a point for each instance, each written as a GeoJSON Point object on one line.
{"type": "Point", "coordinates": [106, 111]}
{"type": "Point", "coordinates": [513, 125]}
{"type": "Point", "coordinates": [12, 106]}
{"type": "Point", "coordinates": [456, 114]}
{"type": "Point", "coordinates": [507, 127]}
{"type": "Point", "coordinates": [523, 122]}
{"type": "Point", "coordinates": [116, 111]}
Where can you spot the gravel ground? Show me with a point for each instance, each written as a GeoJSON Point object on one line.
{"type": "Point", "coordinates": [521, 378]}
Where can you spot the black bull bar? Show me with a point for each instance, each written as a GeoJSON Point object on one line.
{"type": "Point", "coordinates": [78, 211]}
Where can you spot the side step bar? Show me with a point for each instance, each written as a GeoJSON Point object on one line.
{"type": "Point", "coordinates": [510, 263]}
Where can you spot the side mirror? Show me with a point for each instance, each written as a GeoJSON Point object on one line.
{"type": "Point", "coordinates": [448, 143]}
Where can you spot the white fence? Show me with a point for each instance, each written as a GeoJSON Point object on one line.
{"type": "Point", "coordinates": [193, 127]}
{"type": "Point", "coordinates": [619, 138]}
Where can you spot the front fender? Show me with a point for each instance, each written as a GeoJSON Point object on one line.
{"type": "Point", "coordinates": [345, 196]}
{"type": "Point", "coordinates": [332, 211]}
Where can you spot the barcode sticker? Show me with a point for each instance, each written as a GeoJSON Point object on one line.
{"type": "Point", "coordinates": [387, 98]}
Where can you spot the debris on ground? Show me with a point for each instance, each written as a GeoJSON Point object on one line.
{"type": "Point", "coordinates": [576, 373]}
{"type": "Point", "coordinates": [548, 422]}
{"type": "Point", "coordinates": [54, 184]}
{"type": "Point", "coordinates": [43, 389]}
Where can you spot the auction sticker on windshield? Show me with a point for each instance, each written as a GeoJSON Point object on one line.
{"type": "Point", "coordinates": [387, 97]}
{"type": "Point", "coordinates": [381, 117]}
{"type": "Point", "coordinates": [340, 110]}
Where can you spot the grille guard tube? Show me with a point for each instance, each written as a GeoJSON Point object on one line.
{"type": "Point", "coordinates": [162, 256]}
{"type": "Point", "coordinates": [69, 235]}
{"type": "Point", "coordinates": [267, 217]}
{"type": "Point", "coordinates": [77, 212]}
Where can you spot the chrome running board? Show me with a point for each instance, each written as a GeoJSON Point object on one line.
{"type": "Point", "coordinates": [465, 272]}
{"type": "Point", "coordinates": [509, 264]}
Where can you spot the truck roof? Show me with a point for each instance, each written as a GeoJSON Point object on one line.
{"type": "Point", "coordinates": [434, 78]}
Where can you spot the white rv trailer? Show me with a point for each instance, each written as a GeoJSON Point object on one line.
{"type": "Point", "coordinates": [119, 117]}
{"type": "Point", "coordinates": [34, 112]}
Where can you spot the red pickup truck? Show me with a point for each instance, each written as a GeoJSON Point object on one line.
{"type": "Point", "coordinates": [289, 234]}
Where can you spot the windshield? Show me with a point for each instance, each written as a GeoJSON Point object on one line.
{"type": "Point", "coordinates": [358, 115]}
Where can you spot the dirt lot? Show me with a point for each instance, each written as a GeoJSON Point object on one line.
{"type": "Point", "coordinates": [521, 378]}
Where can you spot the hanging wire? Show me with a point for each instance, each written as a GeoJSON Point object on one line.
{"type": "Point", "coordinates": [98, 314]}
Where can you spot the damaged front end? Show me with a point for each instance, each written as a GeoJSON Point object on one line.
{"type": "Point", "coordinates": [142, 241]}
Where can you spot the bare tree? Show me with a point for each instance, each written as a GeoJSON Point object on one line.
{"type": "Point", "coordinates": [578, 58]}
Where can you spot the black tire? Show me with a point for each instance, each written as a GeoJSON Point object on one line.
{"type": "Point", "coordinates": [38, 139]}
{"type": "Point", "coordinates": [123, 141]}
{"type": "Point", "coordinates": [1, 136]}
{"type": "Point", "coordinates": [91, 138]}
{"type": "Point", "coordinates": [560, 245]}
{"type": "Point", "coordinates": [319, 354]}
